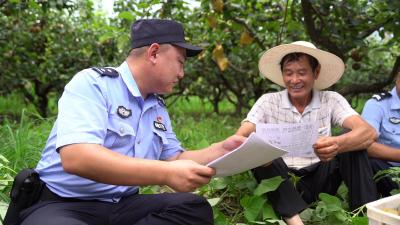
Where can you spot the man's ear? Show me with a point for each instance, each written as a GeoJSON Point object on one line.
{"type": "Point", "coordinates": [317, 70]}
{"type": "Point", "coordinates": [152, 51]}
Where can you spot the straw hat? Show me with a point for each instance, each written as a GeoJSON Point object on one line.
{"type": "Point", "coordinates": [332, 67]}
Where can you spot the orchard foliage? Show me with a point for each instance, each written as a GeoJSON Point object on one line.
{"type": "Point", "coordinates": [44, 43]}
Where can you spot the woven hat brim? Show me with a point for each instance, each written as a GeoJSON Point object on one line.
{"type": "Point", "coordinates": [332, 67]}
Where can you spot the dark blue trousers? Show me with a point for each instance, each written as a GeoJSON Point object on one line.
{"type": "Point", "coordinates": [138, 209]}
{"type": "Point", "coordinates": [385, 185]}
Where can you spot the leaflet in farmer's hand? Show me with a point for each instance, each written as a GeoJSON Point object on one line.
{"type": "Point", "coordinates": [296, 138]}
{"type": "Point", "coordinates": [252, 153]}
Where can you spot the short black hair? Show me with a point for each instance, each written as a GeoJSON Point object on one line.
{"type": "Point", "coordinates": [295, 56]}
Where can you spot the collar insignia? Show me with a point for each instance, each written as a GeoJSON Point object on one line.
{"type": "Point", "coordinates": [160, 100]}
{"type": "Point", "coordinates": [394, 120]}
{"type": "Point", "coordinates": [106, 71]}
{"type": "Point", "coordinates": [381, 96]}
{"type": "Point", "coordinates": [124, 112]}
{"type": "Point", "coordinates": [159, 126]}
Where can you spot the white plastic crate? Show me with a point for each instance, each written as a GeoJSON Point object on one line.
{"type": "Point", "coordinates": [377, 215]}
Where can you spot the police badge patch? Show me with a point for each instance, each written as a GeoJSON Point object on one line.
{"type": "Point", "coordinates": [124, 112]}
{"type": "Point", "coordinates": [159, 126]}
{"type": "Point", "coordinates": [394, 120]}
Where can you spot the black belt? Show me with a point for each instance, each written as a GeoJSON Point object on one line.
{"type": "Point", "coordinates": [48, 195]}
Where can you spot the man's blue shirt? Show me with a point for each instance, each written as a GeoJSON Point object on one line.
{"type": "Point", "coordinates": [111, 112]}
{"type": "Point", "coordinates": [384, 116]}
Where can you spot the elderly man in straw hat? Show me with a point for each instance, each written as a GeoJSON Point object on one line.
{"type": "Point", "coordinates": [304, 71]}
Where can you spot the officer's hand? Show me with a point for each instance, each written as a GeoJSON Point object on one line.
{"type": "Point", "coordinates": [232, 142]}
{"type": "Point", "coordinates": [187, 175]}
{"type": "Point", "coordinates": [326, 148]}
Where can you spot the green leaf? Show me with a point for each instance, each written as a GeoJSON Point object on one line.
{"type": "Point", "coordinates": [153, 189]}
{"type": "Point", "coordinates": [253, 206]}
{"type": "Point", "coordinates": [333, 203]}
{"type": "Point", "coordinates": [219, 218]}
{"type": "Point", "coordinates": [359, 220]}
{"type": "Point", "coordinates": [126, 15]}
{"type": "Point", "coordinates": [3, 209]}
{"type": "Point", "coordinates": [268, 212]}
{"type": "Point", "coordinates": [268, 185]}
{"type": "Point", "coordinates": [342, 192]}
{"type": "Point", "coordinates": [218, 183]}
{"type": "Point", "coordinates": [4, 159]}
{"type": "Point", "coordinates": [307, 215]}
{"type": "Point", "coordinates": [320, 211]}
{"type": "Point", "coordinates": [341, 215]}
{"type": "Point", "coordinates": [395, 191]}
{"type": "Point", "coordinates": [106, 36]}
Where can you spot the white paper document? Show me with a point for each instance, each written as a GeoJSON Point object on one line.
{"type": "Point", "coordinates": [252, 153]}
{"type": "Point", "coordinates": [296, 138]}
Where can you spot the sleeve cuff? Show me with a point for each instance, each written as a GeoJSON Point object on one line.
{"type": "Point", "coordinates": [77, 138]}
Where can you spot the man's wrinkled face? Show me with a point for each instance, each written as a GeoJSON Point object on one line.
{"type": "Point", "coordinates": [299, 78]}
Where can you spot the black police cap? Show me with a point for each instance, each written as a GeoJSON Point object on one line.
{"type": "Point", "coordinates": [148, 31]}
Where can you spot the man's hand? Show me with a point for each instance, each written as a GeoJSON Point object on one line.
{"type": "Point", "coordinates": [187, 175]}
{"type": "Point", "coordinates": [232, 142]}
{"type": "Point", "coordinates": [326, 148]}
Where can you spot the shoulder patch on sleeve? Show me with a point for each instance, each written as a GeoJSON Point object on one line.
{"type": "Point", "coordinates": [161, 100]}
{"type": "Point", "coordinates": [381, 96]}
{"type": "Point", "coordinates": [106, 71]}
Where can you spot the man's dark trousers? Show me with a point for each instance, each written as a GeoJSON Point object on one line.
{"type": "Point", "coordinates": [351, 167]}
{"type": "Point", "coordinates": [138, 209]}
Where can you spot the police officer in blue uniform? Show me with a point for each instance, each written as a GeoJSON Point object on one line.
{"type": "Point", "coordinates": [382, 111]}
{"type": "Point", "coordinates": [113, 134]}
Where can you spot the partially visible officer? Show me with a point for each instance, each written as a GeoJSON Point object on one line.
{"type": "Point", "coordinates": [382, 112]}
{"type": "Point", "coordinates": [113, 134]}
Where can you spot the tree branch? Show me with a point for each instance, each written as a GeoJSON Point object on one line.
{"type": "Point", "coordinates": [315, 34]}
{"type": "Point", "coordinates": [372, 29]}
{"type": "Point", "coordinates": [279, 41]}
{"type": "Point", "coordinates": [354, 89]}
{"type": "Point", "coordinates": [237, 69]}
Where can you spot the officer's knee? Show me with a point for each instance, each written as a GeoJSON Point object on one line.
{"type": "Point", "coordinates": [188, 198]}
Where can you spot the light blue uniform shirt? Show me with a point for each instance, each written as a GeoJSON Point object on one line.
{"type": "Point", "coordinates": [384, 116]}
{"type": "Point", "coordinates": [92, 110]}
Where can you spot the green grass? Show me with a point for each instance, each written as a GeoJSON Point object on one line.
{"type": "Point", "coordinates": [22, 142]}
{"type": "Point", "coordinates": [12, 105]}
{"type": "Point", "coordinates": [195, 124]}
{"type": "Point", "coordinates": [23, 135]}
{"type": "Point", "coordinates": [195, 106]}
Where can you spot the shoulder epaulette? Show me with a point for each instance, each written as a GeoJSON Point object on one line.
{"type": "Point", "coordinates": [106, 71]}
{"type": "Point", "coordinates": [381, 96]}
{"type": "Point", "coordinates": [161, 100]}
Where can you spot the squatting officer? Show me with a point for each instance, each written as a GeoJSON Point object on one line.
{"type": "Point", "coordinates": [113, 134]}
